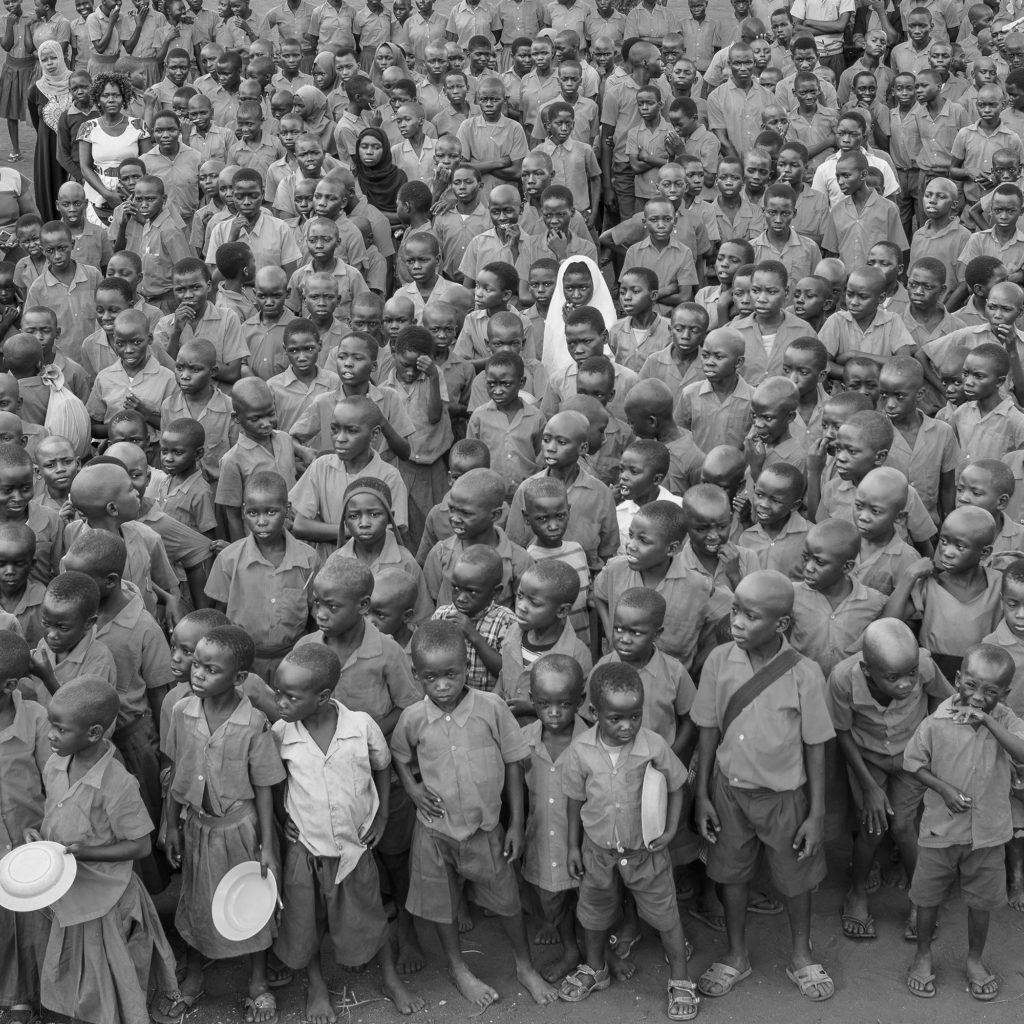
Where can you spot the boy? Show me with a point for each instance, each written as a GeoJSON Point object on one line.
{"type": "Point", "coordinates": [771, 438]}
{"type": "Point", "coordinates": [679, 363]}
{"type": "Point", "coordinates": [708, 548]}
{"type": "Point", "coordinates": [261, 582]}
{"type": "Point", "coordinates": [264, 329]}
{"type": "Point", "coordinates": [490, 141]}
{"type": "Point", "coordinates": [475, 503]}
{"type": "Point", "coordinates": [456, 838]}
{"type": "Point", "coordinates": [877, 699]}
{"type": "Point", "coordinates": [786, 810]}
{"type": "Point", "coordinates": [989, 484]}
{"type": "Point", "coordinates": [942, 235]}
{"type": "Point", "coordinates": [21, 596]}
{"type": "Point", "coordinates": [987, 425]}
{"type": "Point", "coordinates": [879, 506]}
{"type": "Point", "coordinates": [571, 152]}
{"type": "Point", "coordinates": [605, 846]}
{"type": "Point", "coordinates": [660, 252]}
{"type": "Point", "coordinates": [644, 465]}
{"type": "Point", "coordinates": [1001, 240]}
{"type": "Point", "coordinates": [91, 246]}
{"type": "Point", "coordinates": [304, 380]}
{"type": "Point", "coordinates": [927, 318]}
{"type": "Point", "coordinates": [967, 816]}
{"type": "Point", "coordinates": [314, 723]}
{"type": "Point", "coordinates": [805, 363]}
{"type": "Point", "coordinates": [641, 332]}
{"type": "Point", "coordinates": [182, 492]}
{"type": "Point", "coordinates": [780, 241]}
{"type": "Point", "coordinates": [777, 535]}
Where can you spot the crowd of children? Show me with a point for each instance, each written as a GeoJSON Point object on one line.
{"type": "Point", "coordinates": [417, 430]}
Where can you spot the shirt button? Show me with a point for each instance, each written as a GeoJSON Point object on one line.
{"type": "Point", "coordinates": [623, 862]}
{"type": "Point", "coordinates": [447, 718]}
{"type": "Point", "coordinates": [551, 799]}
{"type": "Point", "coordinates": [199, 777]}
{"type": "Point", "coordinates": [554, 863]}
{"type": "Point", "coordinates": [453, 748]}
{"type": "Point", "coordinates": [741, 735]}
{"type": "Point", "coordinates": [552, 769]}
{"type": "Point", "coordinates": [552, 832]}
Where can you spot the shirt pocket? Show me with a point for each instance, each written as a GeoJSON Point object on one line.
{"type": "Point", "coordinates": [233, 781]}
{"type": "Point", "coordinates": [773, 739]}
{"type": "Point", "coordinates": [289, 614]}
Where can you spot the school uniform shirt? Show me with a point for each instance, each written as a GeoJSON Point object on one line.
{"type": "Point", "coordinates": [484, 140]}
{"type": "Point", "coordinates": [151, 384]}
{"type": "Point", "coordinates": [575, 166]}
{"type": "Point", "coordinates": [746, 559]}
{"type": "Point", "coordinates": [472, 340]}
{"type": "Point", "coordinates": [948, 625]}
{"type": "Point", "coordinates": [627, 509]}
{"type": "Point", "coordinates": [988, 435]}
{"type": "Point", "coordinates": [88, 657]}
{"type": "Point", "coordinates": [799, 255]}
{"type": "Point", "coordinates": [462, 755]}
{"type": "Point", "coordinates": [211, 146]}
{"type": "Point", "coordinates": [692, 612]}
{"type": "Point", "coordinates": [610, 793]}
{"type": "Point", "coordinates": [187, 499]}
{"type": "Point", "coordinates": [271, 241]}
{"type": "Point", "coordinates": [985, 243]}
{"type": "Point", "coordinates": [331, 795]}
{"type": "Point", "coordinates": [695, 227]}
{"type": "Point", "coordinates": [394, 555]}
{"type": "Point", "coordinates": [160, 243]}
{"type": "Point", "coordinates": [884, 337]}
{"type": "Point", "coordinates": [455, 230]}
{"type": "Point", "coordinates": [838, 497]}
{"type": "Point", "coordinates": [216, 419]}
{"type": "Point", "coordinates": [180, 175]}
{"type": "Point", "coordinates": [576, 558]}
{"type": "Point", "coordinates": [668, 692]}
{"type": "Point", "coordinates": [714, 419]}
{"type": "Point", "coordinates": [935, 451]}
{"type": "Point", "coordinates": [972, 761]}
{"type": "Point", "coordinates": [746, 221]}
{"type": "Point", "coordinates": [513, 443]}
{"type": "Point", "coordinates": [784, 551]}
{"type": "Point", "coordinates": [662, 365]}
{"type": "Point", "coordinates": [292, 395]}
{"type": "Point", "coordinates": [246, 457]}
{"type": "Point", "coordinates": [445, 553]}
{"type": "Point", "coordinates": [24, 751]}
{"type": "Point", "coordinates": [633, 345]}
{"type": "Point", "coordinates": [764, 749]}
{"type": "Point", "coordinates": [737, 112]}
{"type": "Point", "coordinates": [825, 177]}
{"type": "Point", "coordinates": [350, 284]}
{"type": "Point", "coordinates": [884, 566]}
{"type": "Point", "coordinates": [517, 660]}
{"type": "Point", "coordinates": [219, 326]}
{"type": "Point", "coordinates": [851, 232]}
{"type": "Point", "coordinates": [1003, 637]}
{"type": "Point", "coordinates": [827, 635]}
{"type": "Point", "coordinates": [91, 246]}
{"type": "Point", "coordinates": [1009, 538]}
{"type": "Point", "coordinates": [73, 304]}
{"type": "Point", "coordinates": [441, 292]}
{"type": "Point", "coordinates": [947, 325]}
{"type": "Point", "coordinates": [945, 244]}
{"type": "Point", "coordinates": [814, 128]}
{"type": "Point", "coordinates": [881, 729]}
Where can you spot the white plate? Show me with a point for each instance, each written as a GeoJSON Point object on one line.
{"type": "Point", "coordinates": [35, 875]}
{"type": "Point", "coordinates": [244, 901]}
{"type": "Point", "coordinates": [653, 805]}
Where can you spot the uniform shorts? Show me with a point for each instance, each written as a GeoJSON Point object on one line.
{"type": "Point", "coordinates": [903, 789]}
{"type": "Point", "coordinates": [753, 820]}
{"type": "Point", "coordinates": [556, 906]}
{"type": "Point", "coordinates": [646, 874]}
{"type": "Point", "coordinates": [982, 875]}
{"type": "Point", "coordinates": [440, 866]}
{"type": "Point", "coordinates": [350, 911]}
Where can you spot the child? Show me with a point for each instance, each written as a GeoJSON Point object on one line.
{"type": "Point", "coordinates": [313, 723]}
{"type": "Point", "coordinates": [490, 138]}
{"type": "Point", "coordinates": [879, 507]}
{"type": "Point", "coordinates": [951, 842]}
{"type": "Point", "coordinates": [989, 484]}
{"type": "Point", "coordinates": [771, 438]}
{"type": "Point", "coordinates": [90, 244]}
{"type": "Point", "coordinates": [660, 252]}
{"type": "Point", "coordinates": [321, 238]}
{"type": "Point", "coordinates": [28, 231]}
{"type": "Point", "coordinates": [16, 488]}
{"type": "Point", "coordinates": [182, 493]}
{"type": "Point", "coordinates": [717, 409]}
{"type": "Point", "coordinates": [228, 817]}
{"type": "Point", "coordinates": [261, 581]}
{"type": "Point", "coordinates": [605, 848]}
{"type": "Point", "coordinates": [780, 241]}
{"type": "Point", "coordinates": [304, 380]}
{"type": "Point", "coordinates": [831, 610]}
{"type": "Point", "coordinates": [956, 598]}
{"type": "Point", "coordinates": [644, 465]}
{"type": "Point", "coordinates": [422, 261]}
{"type": "Point", "coordinates": [860, 377]}
{"type": "Point", "coordinates": [506, 333]}
{"type": "Point", "coordinates": [264, 326]}
{"type": "Point", "coordinates": [679, 363]}
{"type": "Point", "coordinates": [546, 595]}
{"type": "Point", "coordinates": [738, 824]}
{"type": "Point", "coordinates": [737, 216]}
{"type": "Point", "coordinates": [260, 447]}
{"type": "Point", "coordinates": [987, 425]}
{"type": "Point", "coordinates": [942, 236]}
{"type": "Point", "coordinates": [812, 301]}
{"type": "Point", "coordinates": [20, 596]}
{"type": "Point", "coordinates": [93, 809]}
{"type": "Point", "coordinates": [708, 548]}
{"type": "Point", "coordinates": [733, 253]}
{"type": "Point", "coordinates": [892, 686]}
{"type": "Point", "coordinates": [924, 449]}
{"type": "Point", "coordinates": [652, 560]}
{"type": "Point", "coordinates": [1000, 240]}
{"type": "Point", "coordinates": [777, 534]}
{"type": "Point", "coordinates": [448, 847]}
{"type": "Point", "coordinates": [641, 332]}
{"type": "Point", "coordinates": [927, 319]}
{"type": "Point", "coordinates": [805, 363]}
{"type": "Point", "coordinates": [571, 151]}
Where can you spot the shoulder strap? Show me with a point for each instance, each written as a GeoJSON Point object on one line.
{"type": "Point", "coordinates": [756, 685]}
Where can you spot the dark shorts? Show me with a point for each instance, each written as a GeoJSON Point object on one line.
{"type": "Point", "coordinates": [982, 875]}
{"type": "Point", "coordinates": [350, 911]}
{"type": "Point", "coordinates": [556, 906]}
{"type": "Point", "coordinates": [753, 820]}
{"type": "Point", "coordinates": [440, 866]}
{"type": "Point", "coordinates": [903, 789]}
{"type": "Point", "coordinates": [647, 876]}
{"type": "Point", "coordinates": [397, 836]}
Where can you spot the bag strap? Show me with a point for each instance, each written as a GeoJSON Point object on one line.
{"type": "Point", "coordinates": [756, 685]}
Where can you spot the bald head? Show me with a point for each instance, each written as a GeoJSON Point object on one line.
{"type": "Point", "coordinates": [776, 392]}
{"type": "Point", "coordinates": [71, 190]}
{"type": "Point", "coordinates": [569, 424]}
{"type": "Point", "coordinates": [131, 455]}
{"type": "Point", "coordinates": [271, 278]}
{"type": "Point", "coordinates": [400, 305]}
{"type": "Point", "coordinates": [885, 487]}
{"type": "Point", "coordinates": [890, 649]}
{"type": "Point", "coordinates": [971, 521]}
{"type": "Point", "coordinates": [768, 591]}
{"type": "Point", "coordinates": [836, 535]}
{"type": "Point", "coordinates": [96, 486]}
{"type": "Point", "coordinates": [649, 397]}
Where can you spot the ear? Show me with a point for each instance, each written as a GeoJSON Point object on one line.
{"type": "Point", "coordinates": [201, 451]}
{"type": "Point", "coordinates": [658, 477]}
{"type": "Point", "coordinates": [881, 456]}
{"type": "Point", "coordinates": [111, 509]}
{"type": "Point", "coordinates": [654, 295]}
{"type": "Point", "coordinates": [823, 376]}
{"type": "Point", "coordinates": [9, 685]}
{"type": "Point", "coordinates": [740, 360]}
{"type": "Point", "coordinates": [561, 613]}
{"type": "Point", "coordinates": [364, 604]}
{"type": "Point", "coordinates": [902, 517]}
{"type": "Point", "coordinates": [91, 621]}
{"type": "Point", "coordinates": [791, 416]}
{"type": "Point", "coordinates": [585, 448]}
{"type": "Point", "coordinates": [407, 616]}
{"type": "Point", "coordinates": [376, 433]}
{"type": "Point", "coordinates": [95, 733]}
{"type": "Point", "coordinates": [782, 626]}
{"type": "Point", "coordinates": [986, 553]}
{"type": "Point", "coordinates": [673, 548]}
{"type": "Point", "coordinates": [848, 566]}
{"type": "Point", "coordinates": [112, 579]}
{"type": "Point", "coordinates": [1004, 500]}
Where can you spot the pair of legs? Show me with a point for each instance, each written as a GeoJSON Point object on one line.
{"type": "Point", "coordinates": [192, 984]}
{"type": "Point", "coordinates": [13, 130]}
{"type": "Point", "coordinates": [409, 958]}
{"type": "Point", "coordinates": [921, 980]}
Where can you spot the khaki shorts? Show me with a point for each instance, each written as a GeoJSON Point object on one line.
{"type": "Point", "coordinates": [439, 866]}
{"type": "Point", "coordinates": [982, 875]}
{"type": "Point", "coordinates": [753, 820]}
{"type": "Point", "coordinates": [904, 790]}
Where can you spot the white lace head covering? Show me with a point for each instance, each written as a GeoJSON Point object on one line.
{"type": "Point", "coordinates": [556, 355]}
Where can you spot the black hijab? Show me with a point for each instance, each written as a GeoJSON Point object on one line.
{"type": "Point", "coordinates": [379, 184]}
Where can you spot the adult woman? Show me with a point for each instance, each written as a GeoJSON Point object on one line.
{"type": "Point", "coordinates": [105, 141]}
{"type": "Point", "coordinates": [311, 105]}
{"type": "Point", "coordinates": [377, 174]}
{"type": "Point", "coordinates": [48, 98]}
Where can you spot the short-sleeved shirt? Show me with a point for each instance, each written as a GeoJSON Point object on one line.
{"type": "Point", "coordinates": [812, 129]}
{"type": "Point", "coordinates": [216, 420]}
{"type": "Point", "coordinates": [455, 231]}
{"type": "Point", "coordinates": [764, 747]}
{"type": "Point", "coordinates": [935, 452]}
{"type": "Point", "coordinates": [827, 635]}
{"type": "Point", "coordinates": [494, 624]}
{"type": "Point", "coordinates": [610, 791]}
{"type": "Point", "coordinates": [221, 327]}
{"type": "Point", "coordinates": [985, 243]}
{"type": "Point", "coordinates": [443, 556]}
{"type": "Point", "coordinates": [884, 337]}
{"type": "Point", "coordinates": [799, 255]}
{"type": "Point", "coordinates": [180, 175]}
{"type": "Point", "coordinates": [972, 761]}
{"type": "Point", "coordinates": [737, 112]}
{"type": "Point", "coordinates": [714, 419]}
{"type": "Point", "coordinates": [673, 264]}
{"type": "Point", "coordinates": [461, 756]}
{"type": "Point", "coordinates": [74, 305]}
{"type": "Point", "coordinates": [838, 501]}
{"type": "Point", "coordinates": [851, 232]}
{"type": "Point", "coordinates": [988, 435]}
{"type": "Point", "coordinates": [944, 244]}
{"type": "Point", "coordinates": [314, 423]}
{"type": "Point", "coordinates": [187, 499]}
{"type": "Point", "coordinates": [825, 178]}
{"type": "Point", "coordinates": [949, 625]}
{"type": "Point", "coordinates": [88, 657]}
{"type": "Point", "coordinates": [331, 25]}
{"type": "Point", "coordinates": [932, 138]}
{"type": "Point", "coordinates": [246, 457]}
{"type": "Point", "coordinates": [292, 395]}
{"type": "Point", "coordinates": [152, 384]}
{"type": "Point", "coordinates": [160, 243]}
{"type": "Point", "coordinates": [784, 551]}
{"type": "Point", "coordinates": [513, 443]}
{"type": "Point", "coordinates": [883, 567]}
{"type": "Point", "coordinates": [828, 43]}
{"type": "Point", "coordinates": [24, 751]}
{"type": "Point", "coordinates": [484, 140]}
{"type": "Point", "coordinates": [271, 241]}
{"type": "Point", "coordinates": [663, 366]}
{"type": "Point", "coordinates": [575, 166]}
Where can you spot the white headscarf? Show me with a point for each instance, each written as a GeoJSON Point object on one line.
{"type": "Point", "coordinates": [556, 356]}
{"type": "Point", "coordinates": [53, 84]}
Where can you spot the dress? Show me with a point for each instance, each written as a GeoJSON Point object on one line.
{"type": "Point", "coordinates": [109, 150]}
{"type": "Point", "coordinates": [47, 173]}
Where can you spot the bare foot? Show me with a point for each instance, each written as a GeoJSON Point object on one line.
{"type": "Point", "coordinates": [561, 967]}
{"type": "Point", "coordinates": [1016, 898]}
{"type": "Point", "coordinates": [542, 992]}
{"type": "Point", "coordinates": [319, 1009]}
{"type": "Point", "coordinates": [405, 1002]}
{"type": "Point", "coordinates": [472, 988]}
{"type": "Point", "coordinates": [465, 919]}
{"type": "Point", "coordinates": [547, 935]}
{"type": "Point", "coordinates": [622, 970]}
{"type": "Point", "coordinates": [410, 957]}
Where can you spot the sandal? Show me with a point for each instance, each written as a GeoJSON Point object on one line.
{"type": "Point", "coordinates": [762, 903]}
{"type": "Point", "coordinates": [858, 928]}
{"type": "Point", "coordinates": [720, 979]}
{"type": "Point", "coordinates": [577, 986]}
{"type": "Point", "coordinates": [813, 982]}
{"type": "Point", "coordinates": [278, 975]}
{"type": "Point", "coordinates": [255, 1004]}
{"type": "Point", "coordinates": [13, 156]}
{"type": "Point", "coordinates": [921, 985]}
{"type": "Point", "coordinates": [716, 922]}
{"type": "Point", "coordinates": [683, 1001]}
{"type": "Point", "coordinates": [23, 1014]}
{"type": "Point", "coordinates": [622, 947]}
{"type": "Point", "coordinates": [171, 1008]}
{"type": "Point", "coordinates": [985, 990]}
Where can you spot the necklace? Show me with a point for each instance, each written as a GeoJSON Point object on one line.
{"type": "Point", "coordinates": [114, 124]}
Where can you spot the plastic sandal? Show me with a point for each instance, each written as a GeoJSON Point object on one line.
{"type": "Point", "coordinates": [582, 982]}
{"type": "Point", "coordinates": [683, 1000]}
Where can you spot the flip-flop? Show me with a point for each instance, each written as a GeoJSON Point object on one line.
{"type": "Point", "coordinates": [809, 978]}
{"type": "Point", "coordinates": [921, 985]}
{"type": "Point", "coordinates": [722, 976]}
{"type": "Point", "coordinates": [762, 903]}
{"type": "Point", "coordinates": [622, 947]}
{"type": "Point", "coordinates": [910, 931]}
{"type": "Point", "coordinates": [162, 1013]}
{"type": "Point", "coordinates": [22, 1013]}
{"type": "Point", "coordinates": [264, 1001]}
{"type": "Point", "coordinates": [976, 988]}
{"type": "Point", "coordinates": [859, 929]}
{"type": "Point", "coordinates": [716, 922]}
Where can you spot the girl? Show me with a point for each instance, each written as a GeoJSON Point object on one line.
{"type": "Point", "coordinates": [388, 55]}
{"type": "Point", "coordinates": [369, 524]}
{"type": "Point", "coordinates": [580, 283]}
{"type": "Point", "coordinates": [325, 78]}
{"type": "Point", "coordinates": [372, 26]}
{"type": "Point", "coordinates": [224, 764]}
{"type": "Point", "coordinates": [17, 74]}
{"type": "Point", "coordinates": [48, 98]}
{"type": "Point", "coordinates": [105, 938]}
{"type": "Point", "coordinates": [312, 106]}
{"type": "Point", "coordinates": [24, 751]}
{"type": "Point", "coordinates": [378, 176]}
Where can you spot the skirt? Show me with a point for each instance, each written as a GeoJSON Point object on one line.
{"type": "Point", "coordinates": [16, 78]}
{"type": "Point", "coordinates": [22, 948]}
{"type": "Point", "coordinates": [100, 972]}
{"type": "Point", "coordinates": [213, 846]}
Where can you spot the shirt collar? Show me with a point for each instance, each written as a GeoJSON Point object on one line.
{"type": "Point", "coordinates": [251, 554]}
{"type": "Point", "coordinates": [461, 712]}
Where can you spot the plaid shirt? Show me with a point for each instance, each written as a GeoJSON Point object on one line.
{"type": "Point", "coordinates": [492, 624]}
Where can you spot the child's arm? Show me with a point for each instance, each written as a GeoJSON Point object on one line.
{"type": "Point", "coordinates": [672, 812]}
{"type": "Point", "coordinates": [686, 738]}
{"type": "Point", "coordinates": [42, 669]}
{"type": "Point", "coordinates": [514, 800]}
{"type": "Point", "coordinates": [705, 815]}
{"type": "Point", "coordinates": [141, 13]}
{"type": "Point", "coordinates": [947, 493]}
{"type": "Point", "coordinates": [811, 832]}
{"type": "Point", "coordinates": [428, 368]}
{"type": "Point", "coordinates": [233, 518]}
{"type": "Point", "coordinates": [574, 858]}
{"type": "Point", "coordinates": [265, 817]}
{"type": "Point", "coordinates": [398, 444]}
{"type": "Point", "coordinates": [7, 39]}
{"type": "Point", "coordinates": [876, 809]}
{"type": "Point", "coordinates": [959, 295]}
{"type": "Point", "coordinates": [375, 830]}
{"type": "Point", "coordinates": [954, 800]}
{"type": "Point", "coordinates": [172, 831]}
{"type": "Point", "coordinates": [816, 453]}
{"type": "Point", "coordinates": [973, 219]}
{"type": "Point", "coordinates": [930, 376]}
{"type": "Point", "coordinates": [110, 853]}
{"type": "Point", "coordinates": [594, 187]}
{"type": "Point", "coordinates": [899, 605]}
{"type": "Point", "coordinates": [311, 529]}
{"type": "Point", "coordinates": [488, 655]}
{"type": "Point", "coordinates": [426, 800]}
{"type": "Point", "coordinates": [1011, 742]}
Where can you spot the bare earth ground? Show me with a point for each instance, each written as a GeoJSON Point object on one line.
{"type": "Point", "coordinates": [869, 976]}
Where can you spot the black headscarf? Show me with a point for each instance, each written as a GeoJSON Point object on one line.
{"type": "Point", "coordinates": [379, 184]}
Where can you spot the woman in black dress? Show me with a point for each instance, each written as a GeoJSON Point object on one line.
{"type": "Point", "coordinates": [48, 98]}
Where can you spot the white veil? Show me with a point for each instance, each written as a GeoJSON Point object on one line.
{"type": "Point", "coordinates": [556, 356]}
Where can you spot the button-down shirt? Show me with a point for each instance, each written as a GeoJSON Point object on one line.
{"type": "Point", "coordinates": [73, 304]}
{"type": "Point", "coordinates": [988, 435]}
{"type": "Point", "coordinates": [219, 326]}
{"type": "Point", "coordinates": [160, 243]}
{"type": "Point", "coordinates": [468, 20]}
{"type": "Point", "coordinates": [884, 337]}
{"type": "Point", "coordinates": [492, 140]}
{"type": "Point", "coordinates": [971, 760]}
{"type": "Point", "coordinates": [513, 443]}
{"type": "Point", "coordinates": [715, 419]}
{"type": "Point", "coordinates": [271, 241]}
{"type": "Point", "coordinates": [443, 556]}
{"type": "Point", "coordinates": [215, 417]}
{"type": "Point", "coordinates": [291, 395]}
{"type": "Point", "coordinates": [885, 565]}
{"type": "Point", "coordinates": [24, 751]}
{"type": "Point", "coordinates": [784, 551]}
{"type": "Point", "coordinates": [935, 452]}
{"type": "Point", "coordinates": [462, 756]}
{"type": "Point", "coordinates": [331, 25]}
{"type": "Point", "coordinates": [825, 180]}
{"type": "Point", "coordinates": [827, 634]}
{"type": "Point", "coordinates": [494, 624]}
{"type": "Point", "coordinates": [944, 244]}
{"type": "Point", "coordinates": [180, 175]}
{"type": "Point", "coordinates": [152, 383]}
{"type": "Point", "coordinates": [851, 232]}
{"type": "Point", "coordinates": [737, 112]}
{"type": "Point", "coordinates": [246, 457]}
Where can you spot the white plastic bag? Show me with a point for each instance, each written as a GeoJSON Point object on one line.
{"type": "Point", "coordinates": [66, 415]}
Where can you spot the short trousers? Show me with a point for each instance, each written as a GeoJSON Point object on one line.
{"type": "Point", "coordinates": [645, 874]}
{"type": "Point", "coordinates": [350, 911]}
{"type": "Point", "coordinates": [753, 820]}
{"type": "Point", "coordinates": [903, 789]}
{"type": "Point", "coordinates": [556, 906]}
{"type": "Point", "coordinates": [439, 866]}
{"type": "Point", "coordinates": [982, 875]}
